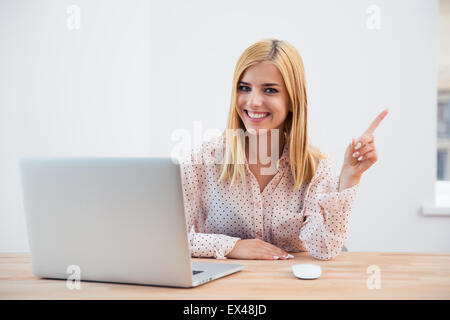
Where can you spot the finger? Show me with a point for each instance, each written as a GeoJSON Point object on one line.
{"type": "Point", "coordinates": [269, 250]}
{"type": "Point", "coordinates": [273, 256]}
{"type": "Point", "coordinates": [375, 123]}
{"type": "Point", "coordinates": [268, 256]}
{"type": "Point", "coordinates": [275, 248]}
{"type": "Point", "coordinates": [365, 139]}
{"type": "Point", "coordinates": [261, 253]}
{"type": "Point", "coordinates": [272, 249]}
{"type": "Point", "coordinates": [371, 156]}
{"type": "Point", "coordinates": [352, 144]}
{"type": "Point", "coordinates": [362, 151]}
{"type": "Point", "coordinates": [277, 251]}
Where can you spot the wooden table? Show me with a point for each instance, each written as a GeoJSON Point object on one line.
{"type": "Point", "coordinates": [402, 276]}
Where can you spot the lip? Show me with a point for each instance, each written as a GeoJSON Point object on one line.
{"type": "Point", "coordinates": [256, 120]}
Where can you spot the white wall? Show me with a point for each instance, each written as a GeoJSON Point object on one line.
{"type": "Point", "coordinates": [136, 71]}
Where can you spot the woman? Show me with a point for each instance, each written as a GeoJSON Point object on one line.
{"type": "Point", "coordinates": [268, 191]}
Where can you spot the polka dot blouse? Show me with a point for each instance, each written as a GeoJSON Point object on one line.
{"type": "Point", "coordinates": [313, 218]}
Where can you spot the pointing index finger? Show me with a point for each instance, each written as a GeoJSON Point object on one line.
{"type": "Point", "coordinates": [377, 121]}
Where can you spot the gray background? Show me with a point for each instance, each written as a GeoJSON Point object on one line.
{"type": "Point", "coordinates": [137, 71]}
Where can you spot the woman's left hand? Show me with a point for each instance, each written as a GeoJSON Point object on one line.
{"type": "Point", "coordinates": [361, 153]}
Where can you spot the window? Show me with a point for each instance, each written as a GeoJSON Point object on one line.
{"type": "Point", "coordinates": [443, 136]}
{"type": "Point", "coordinates": [442, 205]}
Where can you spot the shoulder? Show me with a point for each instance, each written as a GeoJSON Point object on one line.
{"type": "Point", "coordinates": [213, 145]}
{"type": "Point", "coordinates": [321, 159]}
{"type": "Point", "coordinates": [323, 167]}
{"type": "Point", "coordinates": [206, 152]}
{"type": "Point", "coordinates": [324, 163]}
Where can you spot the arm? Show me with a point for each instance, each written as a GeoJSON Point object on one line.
{"type": "Point", "coordinates": [327, 206]}
{"type": "Point", "coordinates": [326, 210]}
{"type": "Point", "coordinates": [200, 244]}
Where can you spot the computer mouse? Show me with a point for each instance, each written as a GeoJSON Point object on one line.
{"type": "Point", "coordinates": [307, 271]}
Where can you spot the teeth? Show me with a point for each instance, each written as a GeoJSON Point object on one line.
{"type": "Point", "coordinates": [257, 115]}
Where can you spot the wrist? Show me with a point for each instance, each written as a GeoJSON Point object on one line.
{"type": "Point", "coordinates": [348, 179]}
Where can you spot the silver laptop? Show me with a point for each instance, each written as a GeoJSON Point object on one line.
{"type": "Point", "coordinates": [111, 219]}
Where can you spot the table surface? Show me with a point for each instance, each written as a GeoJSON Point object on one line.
{"type": "Point", "coordinates": [347, 276]}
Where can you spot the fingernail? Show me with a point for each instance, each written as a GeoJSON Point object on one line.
{"type": "Point", "coordinates": [358, 146]}
{"type": "Point", "coordinates": [276, 257]}
{"type": "Point", "coordinates": [289, 256]}
{"type": "Point", "coordinates": [355, 154]}
{"type": "Point", "coordinates": [359, 159]}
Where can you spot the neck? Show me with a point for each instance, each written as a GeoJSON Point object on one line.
{"type": "Point", "coordinates": [263, 147]}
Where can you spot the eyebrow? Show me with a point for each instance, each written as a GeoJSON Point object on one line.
{"type": "Point", "coordinates": [264, 85]}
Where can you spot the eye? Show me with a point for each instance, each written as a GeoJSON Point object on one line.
{"type": "Point", "coordinates": [274, 90]}
{"type": "Point", "coordinates": [242, 88]}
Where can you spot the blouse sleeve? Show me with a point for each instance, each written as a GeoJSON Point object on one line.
{"type": "Point", "coordinates": [326, 213]}
{"type": "Point", "coordinates": [200, 244]}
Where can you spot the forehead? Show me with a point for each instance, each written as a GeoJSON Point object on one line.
{"type": "Point", "coordinates": [262, 72]}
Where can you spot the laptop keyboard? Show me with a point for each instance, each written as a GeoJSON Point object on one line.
{"type": "Point", "coordinates": [194, 272]}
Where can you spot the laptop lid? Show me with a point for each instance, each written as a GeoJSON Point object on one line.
{"type": "Point", "coordinates": [117, 219]}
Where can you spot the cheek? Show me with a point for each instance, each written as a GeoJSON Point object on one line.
{"type": "Point", "coordinates": [241, 101]}
{"type": "Point", "coordinates": [279, 109]}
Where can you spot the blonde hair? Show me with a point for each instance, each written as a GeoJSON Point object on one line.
{"type": "Point", "coordinates": [302, 155]}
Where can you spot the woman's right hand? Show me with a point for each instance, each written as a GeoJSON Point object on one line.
{"type": "Point", "coordinates": [256, 249]}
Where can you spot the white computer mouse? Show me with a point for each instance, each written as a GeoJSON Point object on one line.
{"type": "Point", "coordinates": [307, 271]}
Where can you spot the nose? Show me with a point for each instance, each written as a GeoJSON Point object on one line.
{"type": "Point", "coordinates": [255, 100]}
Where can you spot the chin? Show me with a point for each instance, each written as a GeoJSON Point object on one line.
{"type": "Point", "coordinates": [257, 130]}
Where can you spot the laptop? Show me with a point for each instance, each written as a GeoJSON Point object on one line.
{"type": "Point", "coordinates": [113, 220]}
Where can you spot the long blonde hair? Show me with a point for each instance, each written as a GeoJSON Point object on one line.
{"type": "Point", "coordinates": [302, 155]}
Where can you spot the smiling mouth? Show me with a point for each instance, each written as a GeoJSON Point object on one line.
{"type": "Point", "coordinates": [256, 115]}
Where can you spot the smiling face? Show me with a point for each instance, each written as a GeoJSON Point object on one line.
{"type": "Point", "coordinates": [262, 98]}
